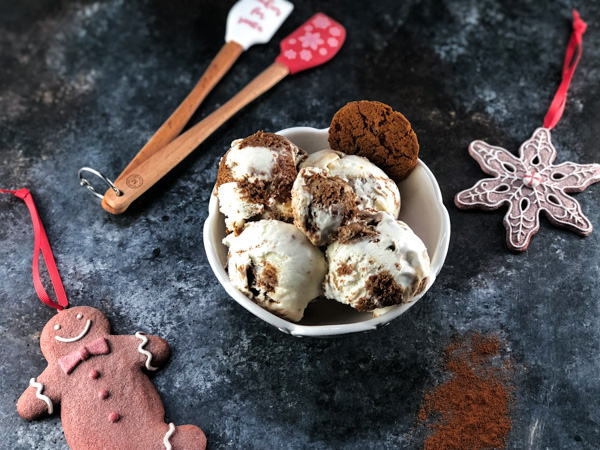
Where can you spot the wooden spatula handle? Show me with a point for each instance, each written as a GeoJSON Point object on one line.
{"type": "Point", "coordinates": [169, 130]}
{"type": "Point", "coordinates": [146, 174]}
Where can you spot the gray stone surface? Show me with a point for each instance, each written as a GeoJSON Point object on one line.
{"type": "Point", "coordinates": [86, 83]}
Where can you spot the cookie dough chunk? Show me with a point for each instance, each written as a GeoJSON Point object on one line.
{"type": "Point", "coordinates": [375, 131]}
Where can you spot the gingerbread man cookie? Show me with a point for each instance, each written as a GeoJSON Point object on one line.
{"type": "Point", "coordinates": [106, 401]}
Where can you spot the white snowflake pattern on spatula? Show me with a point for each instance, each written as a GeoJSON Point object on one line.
{"type": "Point", "coordinates": [529, 184]}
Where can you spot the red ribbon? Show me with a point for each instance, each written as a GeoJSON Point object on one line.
{"type": "Point", "coordinates": [41, 242]}
{"type": "Point", "coordinates": [558, 104]}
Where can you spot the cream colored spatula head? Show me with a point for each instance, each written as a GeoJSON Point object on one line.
{"type": "Point", "coordinates": [253, 22]}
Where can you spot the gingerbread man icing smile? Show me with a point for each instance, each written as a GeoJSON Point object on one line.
{"type": "Point", "coordinates": [107, 402]}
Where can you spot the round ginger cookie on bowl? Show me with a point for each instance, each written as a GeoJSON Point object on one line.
{"type": "Point", "coordinates": [377, 132]}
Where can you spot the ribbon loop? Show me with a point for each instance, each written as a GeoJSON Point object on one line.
{"type": "Point", "coordinates": [41, 243]}
{"type": "Point", "coordinates": [557, 106]}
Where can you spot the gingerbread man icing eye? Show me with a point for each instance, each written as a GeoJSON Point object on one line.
{"type": "Point", "coordinates": [79, 316]}
{"type": "Point", "coordinates": [57, 327]}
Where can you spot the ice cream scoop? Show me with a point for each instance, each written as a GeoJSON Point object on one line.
{"type": "Point", "coordinates": [375, 265]}
{"type": "Point", "coordinates": [374, 188]}
{"type": "Point", "coordinates": [255, 179]}
{"type": "Point", "coordinates": [275, 265]}
{"type": "Point", "coordinates": [321, 203]}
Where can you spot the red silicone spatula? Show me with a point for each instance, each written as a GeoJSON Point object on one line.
{"type": "Point", "coordinates": [314, 43]}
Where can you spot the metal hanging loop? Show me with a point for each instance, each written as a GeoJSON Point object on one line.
{"type": "Point", "coordinates": [84, 182]}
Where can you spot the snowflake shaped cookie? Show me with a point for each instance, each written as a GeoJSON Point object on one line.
{"type": "Point", "coordinates": [529, 184]}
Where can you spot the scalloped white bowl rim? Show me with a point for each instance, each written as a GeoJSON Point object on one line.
{"type": "Point", "coordinates": [311, 140]}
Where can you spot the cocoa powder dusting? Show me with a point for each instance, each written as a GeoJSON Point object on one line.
{"type": "Point", "coordinates": [471, 410]}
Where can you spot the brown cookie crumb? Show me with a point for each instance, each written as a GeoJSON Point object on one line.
{"type": "Point", "coordinates": [277, 214]}
{"type": "Point", "coordinates": [421, 287]}
{"type": "Point", "coordinates": [383, 136]}
{"type": "Point", "coordinates": [278, 188]}
{"type": "Point", "coordinates": [383, 291]}
{"type": "Point", "coordinates": [330, 194]}
{"type": "Point", "coordinates": [268, 278]}
{"type": "Point", "coordinates": [344, 269]}
{"type": "Point", "coordinates": [331, 191]}
{"type": "Point", "coordinates": [224, 174]}
{"type": "Point", "coordinates": [258, 191]}
{"type": "Point", "coordinates": [283, 174]}
{"type": "Point", "coordinates": [269, 140]}
{"type": "Point", "coordinates": [355, 230]}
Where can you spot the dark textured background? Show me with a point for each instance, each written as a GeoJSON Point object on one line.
{"type": "Point", "coordinates": [87, 83]}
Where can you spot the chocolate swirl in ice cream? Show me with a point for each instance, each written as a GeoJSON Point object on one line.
{"type": "Point", "coordinates": [255, 179]}
{"type": "Point", "coordinates": [376, 265]}
{"type": "Point", "coordinates": [321, 204]}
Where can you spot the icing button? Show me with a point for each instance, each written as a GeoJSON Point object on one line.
{"type": "Point", "coordinates": [94, 374]}
{"type": "Point", "coordinates": [102, 394]}
{"type": "Point", "coordinates": [532, 179]}
{"type": "Point", "coordinates": [113, 417]}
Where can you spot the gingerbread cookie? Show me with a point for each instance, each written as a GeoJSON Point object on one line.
{"type": "Point", "coordinates": [375, 131]}
{"type": "Point", "coordinates": [529, 184]}
{"type": "Point", "coordinates": [105, 399]}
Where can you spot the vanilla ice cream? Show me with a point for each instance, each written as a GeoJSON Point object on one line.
{"type": "Point", "coordinates": [274, 264]}
{"type": "Point", "coordinates": [374, 188]}
{"type": "Point", "coordinates": [321, 203]}
{"type": "Point", "coordinates": [376, 265]}
{"type": "Point", "coordinates": [255, 179]}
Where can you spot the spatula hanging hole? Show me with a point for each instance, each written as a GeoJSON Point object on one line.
{"type": "Point", "coordinates": [554, 200]}
{"type": "Point", "coordinates": [509, 167]}
{"type": "Point", "coordinates": [524, 205]}
{"type": "Point", "coordinates": [557, 176]}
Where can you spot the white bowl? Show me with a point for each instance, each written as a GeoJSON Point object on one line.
{"type": "Point", "coordinates": [422, 209]}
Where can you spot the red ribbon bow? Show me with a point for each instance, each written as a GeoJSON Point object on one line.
{"type": "Point", "coordinates": [41, 243]}
{"type": "Point", "coordinates": [70, 361]}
